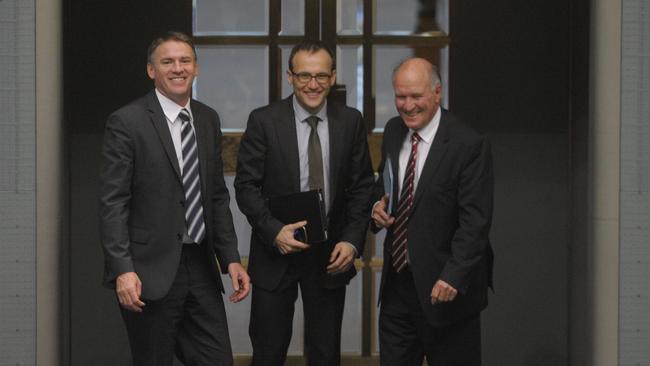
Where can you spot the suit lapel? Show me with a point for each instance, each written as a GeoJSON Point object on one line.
{"type": "Point", "coordinates": [393, 147]}
{"type": "Point", "coordinates": [436, 153]}
{"type": "Point", "coordinates": [337, 130]}
{"type": "Point", "coordinates": [285, 125]}
{"type": "Point", "coordinates": [159, 122]}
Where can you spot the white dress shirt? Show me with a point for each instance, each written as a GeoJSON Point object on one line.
{"type": "Point", "coordinates": [303, 130]}
{"type": "Point", "coordinates": [171, 111]}
{"type": "Point", "coordinates": [427, 134]}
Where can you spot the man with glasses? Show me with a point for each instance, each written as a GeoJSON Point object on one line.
{"type": "Point", "coordinates": [301, 143]}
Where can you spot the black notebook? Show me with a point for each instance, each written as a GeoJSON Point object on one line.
{"type": "Point", "coordinates": [300, 206]}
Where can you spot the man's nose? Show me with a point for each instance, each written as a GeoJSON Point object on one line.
{"type": "Point", "coordinates": [176, 66]}
{"type": "Point", "coordinates": [313, 84]}
{"type": "Point", "coordinates": [408, 104]}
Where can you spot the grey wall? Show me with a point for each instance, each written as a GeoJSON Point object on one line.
{"type": "Point", "coordinates": [17, 184]}
{"type": "Point", "coordinates": [634, 321]}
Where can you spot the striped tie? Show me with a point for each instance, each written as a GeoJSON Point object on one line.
{"type": "Point", "coordinates": [398, 250]}
{"type": "Point", "coordinates": [191, 181]}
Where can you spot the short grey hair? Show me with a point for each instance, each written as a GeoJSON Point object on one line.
{"type": "Point", "coordinates": [434, 76]}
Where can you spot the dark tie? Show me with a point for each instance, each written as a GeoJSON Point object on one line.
{"type": "Point", "coordinates": [398, 250]}
{"type": "Point", "coordinates": [315, 156]}
{"type": "Point", "coordinates": [191, 181]}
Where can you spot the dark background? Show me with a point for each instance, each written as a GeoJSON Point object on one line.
{"type": "Point", "coordinates": [518, 72]}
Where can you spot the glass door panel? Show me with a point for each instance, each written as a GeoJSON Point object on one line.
{"type": "Point", "coordinates": [396, 17]}
{"type": "Point", "coordinates": [285, 50]}
{"type": "Point", "coordinates": [349, 17]}
{"type": "Point", "coordinates": [233, 80]}
{"type": "Point", "coordinates": [406, 17]}
{"type": "Point", "coordinates": [242, 228]}
{"type": "Point", "coordinates": [352, 331]}
{"type": "Point", "coordinates": [242, 17]}
{"type": "Point", "coordinates": [293, 18]}
{"type": "Point", "coordinates": [349, 72]}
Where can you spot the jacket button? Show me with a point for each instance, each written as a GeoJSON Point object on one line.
{"type": "Point", "coordinates": [182, 203]}
{"type": "Point", "coordinates": [179, 236]}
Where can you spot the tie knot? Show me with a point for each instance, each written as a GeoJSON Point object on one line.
{"type": "Point", "coordinates": [415, 137]}
{"type": "Point", "coordinates": [184, 115]}
{"type": "Point", "coordinates": [312, 121]}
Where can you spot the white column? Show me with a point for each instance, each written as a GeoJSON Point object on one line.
{"type": "Point", "coordinates": [50, 174]}
{"type": "Point", "coordinates": [604, 173]}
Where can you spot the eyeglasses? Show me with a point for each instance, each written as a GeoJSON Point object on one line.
{"type": "Point", "coordinates": [305, 77]}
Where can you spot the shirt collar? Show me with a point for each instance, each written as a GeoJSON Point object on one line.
{"type": "Point", "coordinates": [428, 132]}
{"type": "Point", "coordinates": [170, 108]}
{"type": "Point", "coordinates": [302, 114]}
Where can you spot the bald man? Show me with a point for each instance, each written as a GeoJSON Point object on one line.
{"type": "Point", "coordinates": [437, 213]}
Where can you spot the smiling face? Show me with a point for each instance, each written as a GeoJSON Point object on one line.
{"type": "Point", "coordinates": [416, 100]}
{"type": "Point", "coordinates": [173, 69]}
{"type": "Point", "coordinates": [311, 95]}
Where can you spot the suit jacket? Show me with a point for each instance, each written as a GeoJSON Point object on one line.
{"type": "Point", "coordinates": [141, 197]}
{"type": "Point", "coordinates": [450, 218]}
{"type": "Point", "coordinates": [268, 166]}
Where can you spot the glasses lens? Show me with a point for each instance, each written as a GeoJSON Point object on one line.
{"type": "Point", "coordinates": [322, 78]}
{"type": "Point", "coordinates": [304, 77]}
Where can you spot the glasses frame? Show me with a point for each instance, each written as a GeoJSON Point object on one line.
{"type": "Point", "coordinates": [301, 77]}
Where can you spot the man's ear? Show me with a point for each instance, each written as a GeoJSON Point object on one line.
{"type": "Point", "coordinates": [289, 77]}
{"type": "Point", "coordinates": [151, 71]}
{"type": "Point", "coordinates": [333, 78]}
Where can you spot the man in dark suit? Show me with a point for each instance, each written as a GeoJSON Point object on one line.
{"type": "Point", "coordinates": [437, 256]}
{"type": "Point", "coordinates": [300, 143]}
{"type": "Point", "coordinates": [165, 218]}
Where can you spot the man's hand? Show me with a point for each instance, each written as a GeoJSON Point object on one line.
{"type": "Point", "coordinates": [379, 215]}
{"type": "Point", "coordinates": [442, 292]}
{"type": "Point", "coordinates": [342, 258]}
{"type": "Point", "coordinates": [128, 289]}
{"type": "Point", "coordinates": [285, 241]}
{"type": "Point", "coordinates": [240, 282]}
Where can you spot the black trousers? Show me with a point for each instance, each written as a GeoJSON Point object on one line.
{"type": "Point", "coordinates": [271, 320]}
{"type": "Point", "coordinates": [406, 337]}
{"type": "Point", "coordinates": [189, 322]}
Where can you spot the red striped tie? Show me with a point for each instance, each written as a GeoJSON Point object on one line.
{"type": "Point", "coordinates": [398, 250]}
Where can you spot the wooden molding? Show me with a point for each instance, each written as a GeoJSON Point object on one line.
{"type": "Point", "coordinates": [374, 144]}
{"type": "Point", "coordinates": [230, 145]}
